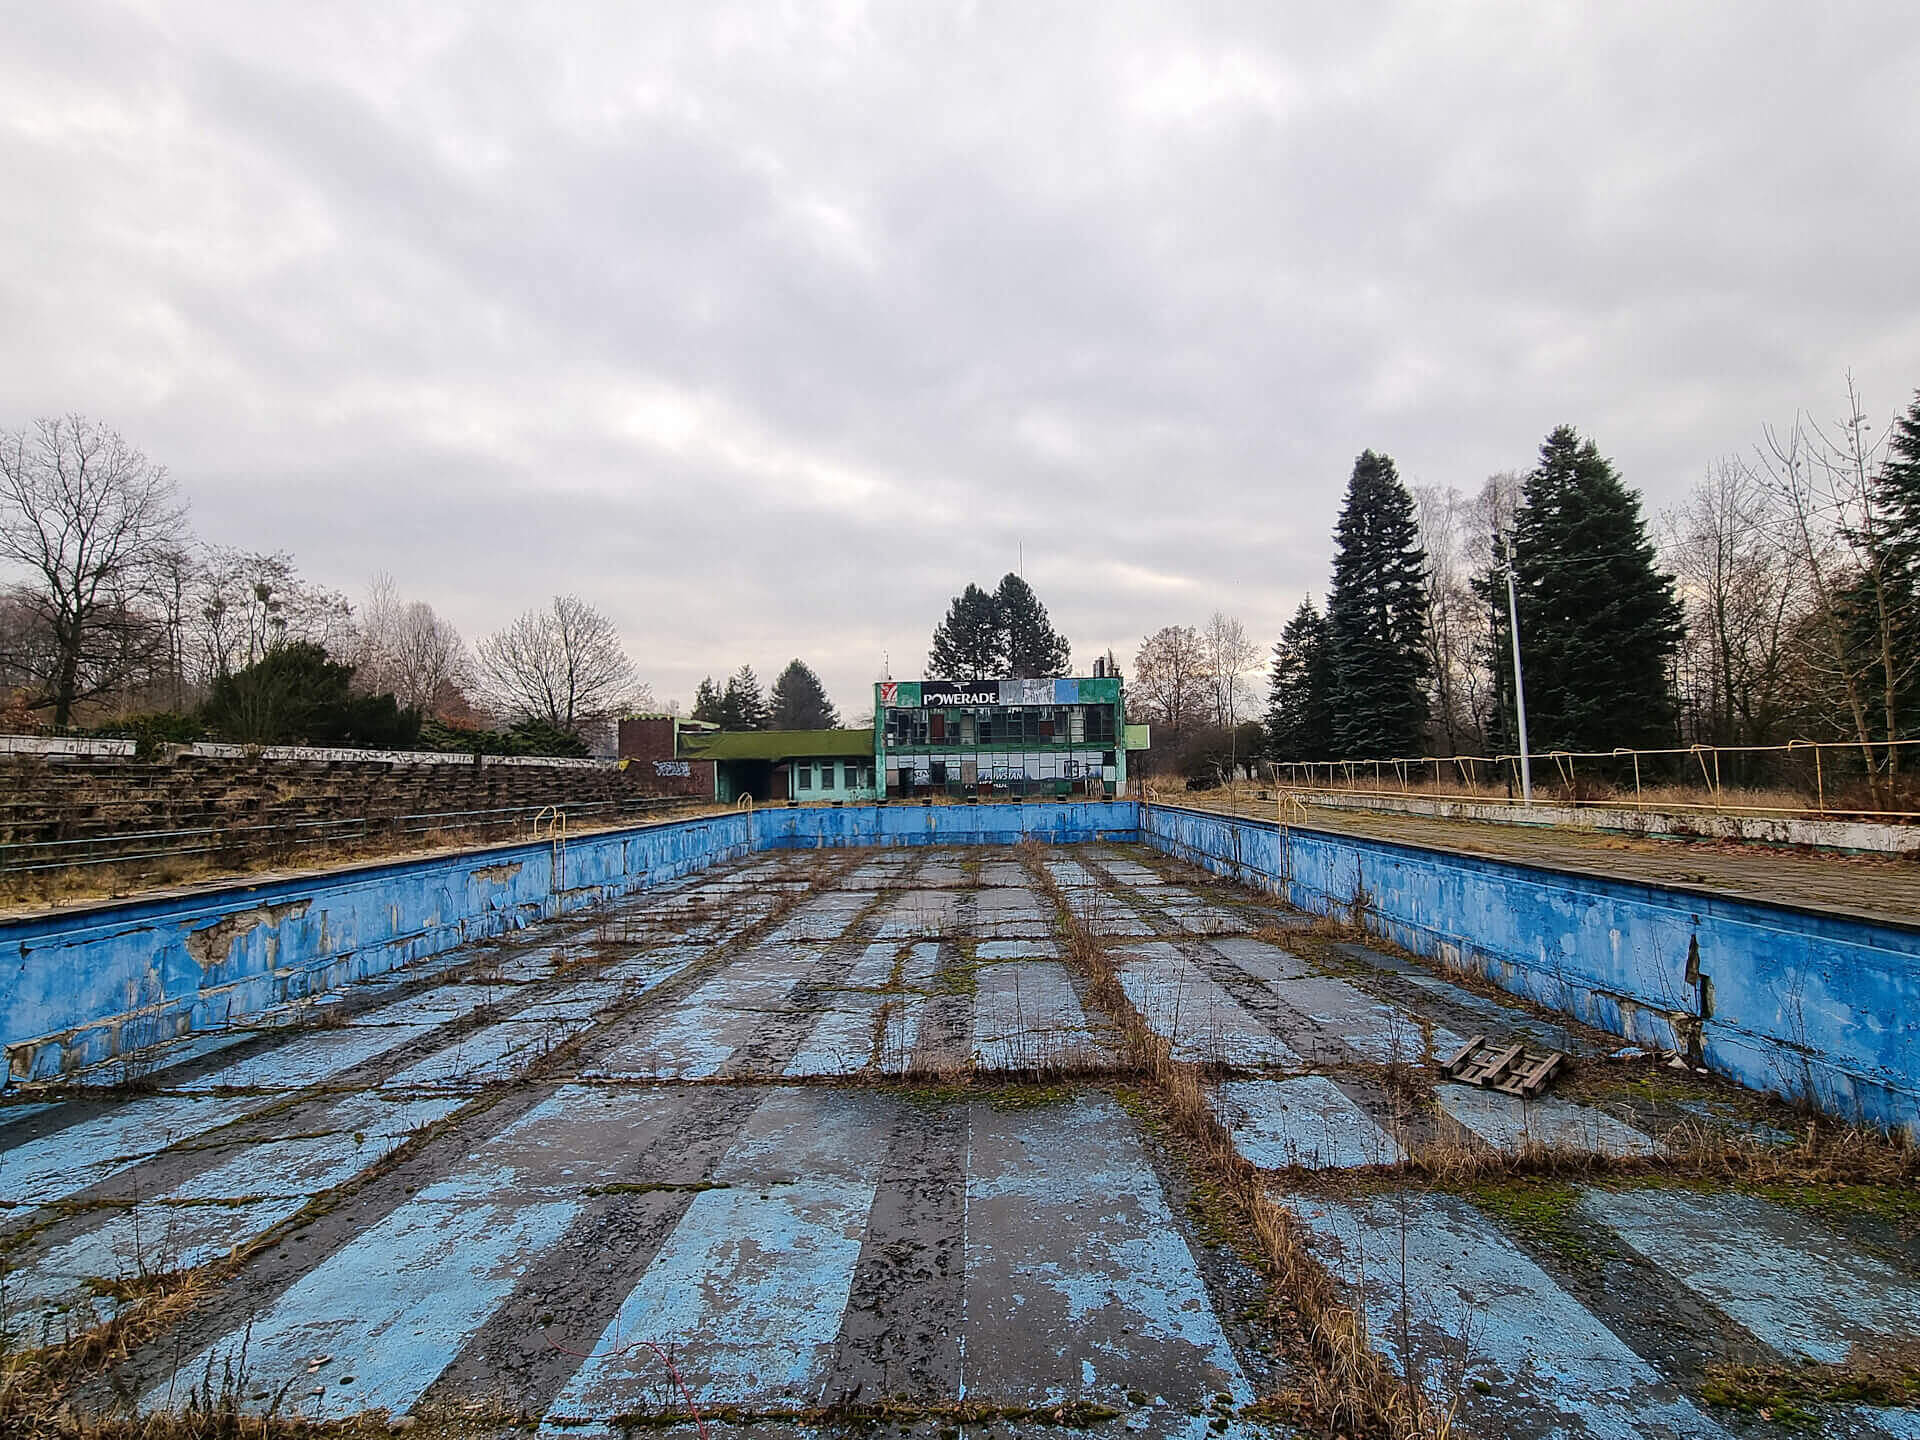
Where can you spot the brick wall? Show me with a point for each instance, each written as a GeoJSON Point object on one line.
{"type": "Point", "coordinates": [647, 746]}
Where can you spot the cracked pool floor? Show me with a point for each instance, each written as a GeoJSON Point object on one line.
{"type": "Point", "coordinates": [845, 1128]}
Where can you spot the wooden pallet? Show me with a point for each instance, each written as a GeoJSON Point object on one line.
{"type": "Point", "coordinates": [1515, 1070]}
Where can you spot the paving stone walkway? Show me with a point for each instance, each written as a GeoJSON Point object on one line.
{"type": "Point", "coordinates": [839, 1128]}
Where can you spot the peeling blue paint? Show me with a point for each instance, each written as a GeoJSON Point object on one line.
{"type": "Point", "coordinates": [169, 1231]}
{"type": "Point", "coordinates": [1074, 1261]}
{"type": "Point", "coordinates": [98, 980]}
{"type": "Point", "coordinates": [390, 1308]}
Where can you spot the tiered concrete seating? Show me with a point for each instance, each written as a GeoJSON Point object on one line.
{"type": "Point", "coordinates": [269, 804]}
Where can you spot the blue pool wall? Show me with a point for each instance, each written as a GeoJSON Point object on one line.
{"type": "Point", "coordinates": [1809, 1005]}
{"type": "Point", "coordinates": [88, 983]}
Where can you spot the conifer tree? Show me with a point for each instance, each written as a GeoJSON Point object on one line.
{"type": "Point", "coordinates": [743, 706]}
{"type": "Point", "coordinates": [1034, 649]}
{"type": "Point", "coordinates": [1599, 623]}
{"type": "Point", "coordinates": [1888, 589]}
{"type": "Point", "coordinates": [1896, 492]}
{"type": "Point", "coordinates": [1376, 617]}
{"type": "Point", "coordinates": [707, 701]}
{"type": "Point", "coordinates": [970, 644]}
{"type": "Point", "coordinates": [1299, 720]}
{"type": "Point", "coordinates": [800, 700]}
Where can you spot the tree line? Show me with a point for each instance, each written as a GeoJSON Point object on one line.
{"type": "Point", "coordinates": [1779, 601]}
{"type": "Point", "coordinates": [798, 701]}
{"type": "Point", "coordinates": [119, 619]}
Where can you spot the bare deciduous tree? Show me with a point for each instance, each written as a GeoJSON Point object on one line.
{"type": "Point", "coordinates": [1819, 478]}
{"type": "Point", "coordinates": [1456, 631]}
{"type": "Point", "coordinates": [1229, 656]}
{"type": "Point", "coordinates": [1169, 682]}
{"type": "Point", "coordinates": [249, 603]}
{"type": "Point", "coordinates": [1745, 594]}
{"type": "Point", "coordinates": [406, 649]}
{"type": "Point", "coordinates": [87, 516]}
{"type": "Point", "coordinates": [563, 664]}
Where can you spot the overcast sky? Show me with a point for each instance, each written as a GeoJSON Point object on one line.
{"type": "Point", "coordinates": [765, 329]}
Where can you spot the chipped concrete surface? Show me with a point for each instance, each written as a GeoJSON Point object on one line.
{"type": "Point", "coordinates": [829, 1129]}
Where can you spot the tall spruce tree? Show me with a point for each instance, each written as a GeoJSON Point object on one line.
{"type": "Point", "coordinates": [1889, 590]}
{"type": "Point", "coordinates": [1896, 491]}
{"type": "Point", "coordinates": [1299, 717]}
{"type": "Point", "coordinates": [1034, 649]}
{"type": "Point", "coordinates": [707, 701]}
{"type": "Point", "coordinates": [743, 706]}
{"type": "Point", "coordinates": [799, 700]}
{"type": "Point", "coordinates": [1376, 617]}
{"type": "Point", "coordinates": [1599, 622]}
{"type": "Point", "coordinates": [970, 644]}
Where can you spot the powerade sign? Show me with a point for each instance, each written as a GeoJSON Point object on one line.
{"type": "Point", "coordinates": [930, 694]}
{"type": "Point", "coordinates": [959, 692]}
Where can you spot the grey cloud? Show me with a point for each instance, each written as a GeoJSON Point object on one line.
{"type": "Point", "coordinates": [768, 332]}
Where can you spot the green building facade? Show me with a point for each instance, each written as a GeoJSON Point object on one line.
{"type": "Point", "coordinates": [990, 739]}
{"type": "Point", "coordinates": [775, 765]}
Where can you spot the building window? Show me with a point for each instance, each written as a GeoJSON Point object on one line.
{"type": "Point", "coordinates": [803, 775]}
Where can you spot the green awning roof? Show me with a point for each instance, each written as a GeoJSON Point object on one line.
{"type": "Point", "coordinates": [775, 744]}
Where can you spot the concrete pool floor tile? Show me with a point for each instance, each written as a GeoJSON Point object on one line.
{"type": "Point", "coordinates": [305, 1058]}
{"type": "Point", "coordinates": [1201, 1021]}
{"type": "Point", "coordinates": [1795, 1286]}
{"type": "Point", "coordinates": [76, 1156]}
{"type": "Point", "coordinates": [1259, 959]}
{"type": "Point", "coordinates": [497, 1052]}
{"type": "Point", "coordinates": [1342, 1019]}
{"type": "Point", "coordinates": [1078, 1282]}
{"type": "Point", "coordinates": [1507, 1122]}
{"type": "Point", "coordinates": [1306, 1121]}
{"type": "Point", "coordinates": [1026, 1016]}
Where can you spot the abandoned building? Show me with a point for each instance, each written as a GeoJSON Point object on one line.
{"type": "Point", "coordinates": [678, 756]}
{"type": "Point", "coordinates": [1003, 738]}
{"type": "Point", "coordinates": [965, 739]}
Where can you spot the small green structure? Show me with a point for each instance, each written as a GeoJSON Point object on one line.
{"type": "Point", "coordinates": [785, 764]}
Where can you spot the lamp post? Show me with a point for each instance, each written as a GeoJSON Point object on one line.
{"type": "Point", "coordinates": [1519, 683]}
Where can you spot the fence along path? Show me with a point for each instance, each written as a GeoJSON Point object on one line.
{"type": "Point", "coordinates": [1805, 778]}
